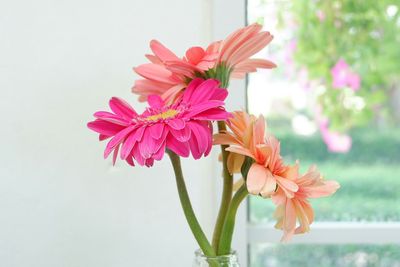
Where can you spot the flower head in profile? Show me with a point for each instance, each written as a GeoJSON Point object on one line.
{"type": "Point", "coordinates": [183, 127]}
{"type": "Point", "coordinates": [294, 215]}
{"type": "Point", "coordinates": [235, 51]}
{"type": "Point", "coordinates": [248, 138]}
{"type": "Point", "coordinates": [167, 74]}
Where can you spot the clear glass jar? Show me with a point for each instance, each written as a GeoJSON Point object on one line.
{"type": "Point", "coordinates": [201, 260]}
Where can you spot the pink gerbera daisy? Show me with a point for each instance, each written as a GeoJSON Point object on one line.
{"type": "Point", "coordinates": [183, 127]}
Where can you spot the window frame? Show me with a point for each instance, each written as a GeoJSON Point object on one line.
{"type": "Point", "coordinates": [376, 233]}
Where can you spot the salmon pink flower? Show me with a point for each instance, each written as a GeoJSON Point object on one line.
{"type": "Point", "coordinates": [232, 55]}
{"type": "Point", "coordinates": [167, 74]}
{"type": "Point", "coordinates": [183, 127]}
{"type": "Point", "coordinates": [248, 138]}
{"type": "Point", "coordinates": [297, 208]}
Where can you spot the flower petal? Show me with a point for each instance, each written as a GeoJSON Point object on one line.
{"type": "Point", "coordinates": [256, 178]}
{"type": "Point", "coordinates": [226, 139]}
{"type": "Point", "coordinates": [250, 47]}
{"type": "Point", "coordinates": [236, 39]}
{"type": "Point", "coordinates": [160, 152]}
{"type": "Point", "coordinates": [137, 155]}
{"type": "Point", "coordinates": [235, 162]}
{"type": "Point", "coordinates": [182, 135]}
{"type": "Point", "coordinates": [155, 101]}
{"type": "Point", "coordinates": [181, 149]}
{"type": "Point", "coordinates": [148, 145]}
{"type": "Point", "coordinates": [104, 127]}
{"type": "Point", "coordinates": [219, 94]}
{"type": "Point", "coordinates": [269, 186]}
{"type": "Point", "coordinates": [288, 186]}
{"type": "Point", "coordinates": [195, 54]}
{"type": "Point", "coordinates": [201, 133]}
{"type": "Point", "coordinates": [117, 139]}
{"type": "Point", "coordinates": [172, 92]}
{"type": "Point", "coordinates": [115, 154]}
{"type": "Point", "coordinates": [289, 225]}
{"type": "Point", "coordinates": [215, 114]}
{"type": "Point", "coordinates": [187, 95]}
{"type": "Point", "coordinates": [130, 161]}
{"type": "Point", "coordinates": [155, 72]}
{"type": "Point", "coordinates": [122, 108]}
{"type": "Point", "coordinates": [161, 51]}
{"type": "Point", "coordinates": [204, 91]}
{"type": "Point", "coordinates": [111, 117]}
{"type": "Point", "coordinates": [129, 143]}
{"type": "Point", "coordinates": [203, 107]}
{"type": "Point", "coordinates": [157, 129]}
{"type": "Point", "coordinates": [327, 188]}
{"type": "Point", "coordinates": [176, 124]}
{"type": "Point", "coordinates": [240, 150]}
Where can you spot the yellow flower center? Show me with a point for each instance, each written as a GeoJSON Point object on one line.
{"type": "Point", "coordinates": [170, 113]}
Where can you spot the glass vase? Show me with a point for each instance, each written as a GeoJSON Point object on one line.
{"type": "Point", "coordinates": [201, 260]}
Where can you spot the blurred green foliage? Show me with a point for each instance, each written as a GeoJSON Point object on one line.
{"type": "Point", "coordinates": [369, 174]}
{"type": "Point", "coordinates": [370, 146]}
{"type": "Point", "coordinates": [366, 34]}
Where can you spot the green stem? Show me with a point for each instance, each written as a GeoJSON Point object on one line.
{"type": "Point", "coordinates": [229, 224]}
{"type": "Point", "coordinates": [226, 193]}
{"type": "Point", "coordinates": [187, 207]}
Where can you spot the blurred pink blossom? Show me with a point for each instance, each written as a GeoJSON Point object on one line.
{"type": "Point", "coordinates": [354, 81]}
{"type": "Point", "coordinates": [335, 141]}
{"type": "Point", "coordinates": [343, 76]}
{"type": "Point", "coordinates": [321, 15]}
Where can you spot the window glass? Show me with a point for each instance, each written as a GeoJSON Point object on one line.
{"type": "Point", "coordinates": [334, 100]}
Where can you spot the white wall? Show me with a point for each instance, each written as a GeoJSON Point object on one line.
{"type": "Point", "coordinates": [61, 204]}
